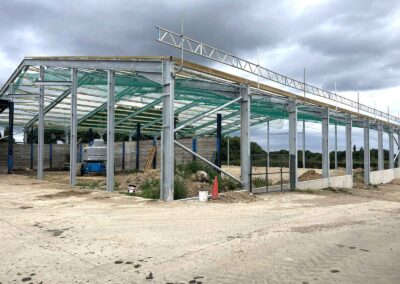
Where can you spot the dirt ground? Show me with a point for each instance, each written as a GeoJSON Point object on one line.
{"type": "Point", "coordinates": [51, 233]}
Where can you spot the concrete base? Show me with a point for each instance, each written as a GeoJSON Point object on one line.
{"type": "Point", "coordinates": [345, 181]}
{"type": "Point", "coordinates": [384, 176]}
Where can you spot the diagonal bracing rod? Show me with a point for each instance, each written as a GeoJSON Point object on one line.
{"type": "Point", "coordinates": [206, 161]}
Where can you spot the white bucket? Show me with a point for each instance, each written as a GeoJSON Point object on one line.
{"type": "Point", "coordinates": [203, 195]}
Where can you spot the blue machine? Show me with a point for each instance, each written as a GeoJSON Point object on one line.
{"type": "Point", "coordinates": [94, 158]}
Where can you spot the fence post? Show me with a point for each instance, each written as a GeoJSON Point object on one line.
{"type": "Point", "coordinates": [137, 146]}
{"type": "Point", "coordinates": [32, 147]}
{"type": "Point", "coordinates": [51, 155]}
{"type": "Point", "coordinates": [123, 155]}
{"type": "Point", "coordinates": [155, 154]}
{"type": "Point", "coordinates": [194, 147]}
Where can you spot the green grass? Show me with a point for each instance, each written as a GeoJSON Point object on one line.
{"type": "Point", "coordinates": [89, 184]}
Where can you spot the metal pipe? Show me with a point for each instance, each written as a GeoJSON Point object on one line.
{"type": "Point", "coordinates": [41, 127]}
{"type": "Point", "coordinates": [367, 167]}
{"type": "Point", "coordinates": [206, 114]}
{"type": "Point", "coordinates": [304, 144]}
{"type": "Point", "coordinates": [167, 134]}
{"type": "Point", "coordinates": [110, 130]}
{"type": "Point", "coordinates": [73, 128]}
{"type": "Point", "coordinates": [207, 162]}
{"type": "Point", "coordinates": [245, 163]}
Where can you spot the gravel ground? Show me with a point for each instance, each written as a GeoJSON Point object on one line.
{"type": "Point", "coordinates": [50, 233]}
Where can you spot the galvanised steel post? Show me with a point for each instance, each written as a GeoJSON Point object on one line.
{"type": "Point", "coordinates": [325, 143]}
{"type": "Point", "coordinates": [167, 135]}
{"type": "Point", "coordinates": [380, 147]}
{"type": "Point", "coordinates": [40, 157]}
{"type": "Point", "coordinates": [245, 137]}
{"type": "Point", "coordinates": [73, 129]}
{"type": "Point", "coordinates": [10, 160]}
{"type": "Point", "coordinates": [336, 160]}
{"type": "Point", "coordinates": [219, 137]}
{"type": "Point", "coordinates": [138, 134]}
{"type": "Point", "coordinates": [123, 155]}
{"type": "Point", "coordinates": [367, 160]}
{"type": "Point", "coordinates": [349, 146]}
{"type": "Point", "coordinates": [304, 144]}
{"type": "Point", "coordinates": [391, 148]}
{"type": "Point", "coordinates": [32, 137]}
{"type": "Point", "coordinates": [110, 130]}
{"type": "Point", "coordinates": [292, 108]}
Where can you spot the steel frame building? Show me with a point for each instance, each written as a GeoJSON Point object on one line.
{"type": "Point", "coordinates": [169, 97]}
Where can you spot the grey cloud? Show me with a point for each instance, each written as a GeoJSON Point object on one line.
{"type": "Point", "coordinates": [351, 42]}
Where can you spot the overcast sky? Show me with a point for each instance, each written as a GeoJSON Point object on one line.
{"type": "Point", "coordinates": [355, 43]}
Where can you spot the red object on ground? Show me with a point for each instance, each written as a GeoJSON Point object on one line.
{"type": "Point", "coordinates": [214, 194]}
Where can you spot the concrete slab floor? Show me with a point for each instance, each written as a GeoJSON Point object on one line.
{"type": "Point", "coordinates": [50, 234]}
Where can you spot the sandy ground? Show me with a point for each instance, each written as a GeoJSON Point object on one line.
{"type": "Point", "coordinates": [50, 233]}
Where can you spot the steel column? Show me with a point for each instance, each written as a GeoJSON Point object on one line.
{"type": "Point", "coordinates": [292, 108]}
{"type": "Point", "coordinates": [391, 149]}
{"type": "Point", "coordinates": [138, 146]}
{"type": "Point", "coordinates": [325, 143]}
{"type": "Point", "coordinates": [304, 144]}
{"type": "Point", "coordinates": [40, 157]}
{"type": "Point", "coordinates": [194, 147]}
{"type": "Point", "coordinates": [268, 144]}
{"type": "Point", "coordinates": [10, 161]}
{"type": "Point", "coordinates": [227, 150]}
{"type": "Point", "coordinates": [123, 155]}
{"type": "Point", "coordinates": [219, 139]}
{"type": "Point", "coordinates": [32, 137]}
{"type": "Point", "coordinates": [245, 137]}
{"type": "Point", "coordinates": [398, 150]}
{"type": "Point", "coordinates": [380, 147]}
{"type": "Point", "coordinates": [73, 128]}
{"type": "Point", "coordinates": [110, 130]}
{"type": "Point", "coordinates": [349, 146]}
{"type": "Point", "coordinates": [336, 161]}
{"type": "Point", "coordinates": [367, 164]}
{"type": "Point", "coordinates": [167, 135]}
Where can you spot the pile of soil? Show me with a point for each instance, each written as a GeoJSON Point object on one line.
{"type": "Point", "coordinates": [236, 197]}
{"type": "Point", "coordinates": [310, 175]}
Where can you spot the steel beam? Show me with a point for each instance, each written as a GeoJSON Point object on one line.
{"type": "Point", "coordinates": [292, 109]}
{"type": "Point", "coordinates": [367, 160]}
{"type": "Point", "coordinates": [391, 149]}
{"type": "Point", "coordinates": [202, 115]}
{"type": "Point", "coordinates": [110, 130]}
{"type": "Point", "coordinates": [74, 128]}
{"type": "Point", "coordinates": [267, 144]}
{"type": "Point", "coordinates": [379, 127]}
{"type": "Point", "coordinates": [167, 135]}
{"type": "Point", "coordinates": [41, 127]}
{"type": "Point", "coordinates": [137, 65]}
{"type": "Point", "coordinates": [245, 162]}
{"type": "Point", "coordinates": [325, 143]}
{"type": "Point", "coordinates": [349, 146]}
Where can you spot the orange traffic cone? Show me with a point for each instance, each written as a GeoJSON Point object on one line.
{"type": "Point", "coordinates": [214, 193]}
